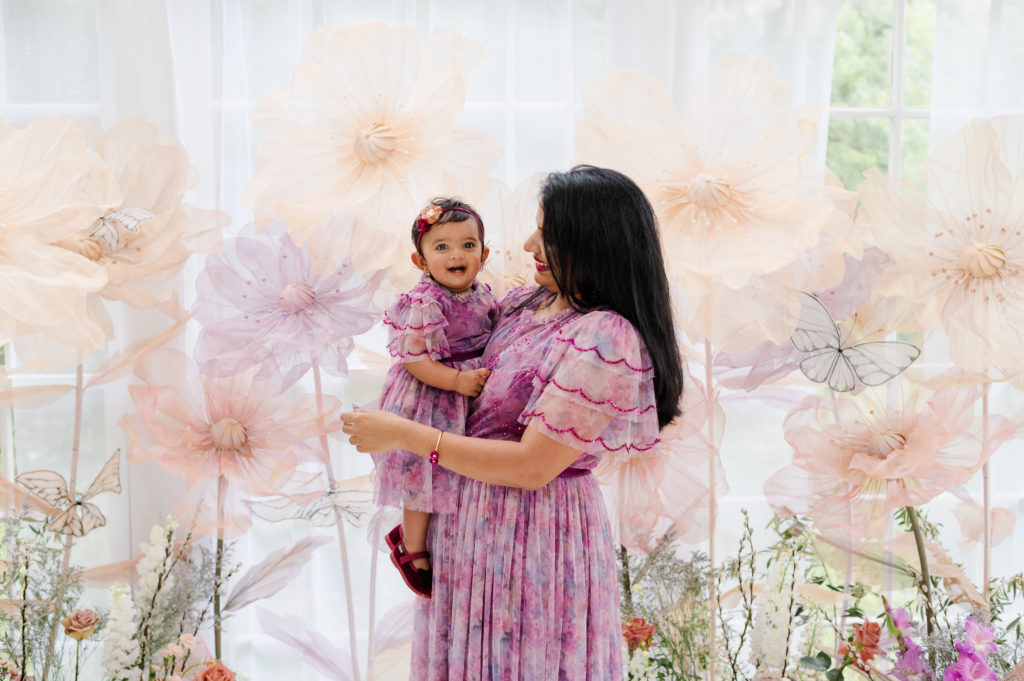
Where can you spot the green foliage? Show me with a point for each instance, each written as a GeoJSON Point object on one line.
{"type": "Point", "coordinates": [31, 557]}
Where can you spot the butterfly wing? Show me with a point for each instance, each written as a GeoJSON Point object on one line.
{"type": "Point", "coordinates": [130, 217]}
{"type": "Point", "coordinates": [880, 361]}
{"type": "Point", "coordinates": [108, 479]}
{"type": "Point", "coordinates": [318, 512]}
{"type": "Point", "coordinates": [67, 522]}
{"type": "Point", "coordinates": [815, 331]}
{"type": "Point", "coordinates": [106, 231]}
{"type": "Point", "coordinates": [356, 505]}
{"type": "Point", "coordinates": [47, 485]}
{"type": "Point", "coordinates": [91, 519]}
{"type": "Point", "coordinates": [829, 366]}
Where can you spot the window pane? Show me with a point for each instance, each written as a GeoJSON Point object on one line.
{"type": "Point", "coordinates": [855, 145]}
{"type": "Point", "coordinates": [915, 148]}
{"type": "Point", "coordinates": [52, 52]}
{"type": "Point", "coordinates": [863, 46]}
{"type": "Point", "coordinates": [917, 58]}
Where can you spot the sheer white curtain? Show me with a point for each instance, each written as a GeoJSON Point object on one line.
{"type": "Point", "coordinates": [196, 67]}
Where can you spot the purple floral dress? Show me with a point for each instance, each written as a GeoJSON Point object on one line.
{"type": "Point", "coordinates": [453, 328]}
{"type": "Point", "coordinates": [525, 584]}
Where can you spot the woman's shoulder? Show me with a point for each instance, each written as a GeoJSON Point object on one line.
{"type": "Point", "coordinates": [608, 337]}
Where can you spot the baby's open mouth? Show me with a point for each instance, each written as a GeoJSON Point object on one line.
{"type": "Point", "coordinates": [457, 270]}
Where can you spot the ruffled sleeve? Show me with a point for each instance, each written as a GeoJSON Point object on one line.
{"type": "Point", "coordinates": [594, 389]}
{"type": "Point", "coordinates": [417, 327]}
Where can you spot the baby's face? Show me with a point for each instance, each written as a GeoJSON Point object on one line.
{"type": "Point", "coordinates": [453, 254]}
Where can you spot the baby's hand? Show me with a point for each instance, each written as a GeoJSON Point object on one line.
{"type": "Point", "coordinates": [471, 382]}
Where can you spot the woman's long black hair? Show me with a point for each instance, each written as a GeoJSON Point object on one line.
{"type": "Point", "coordinates": [602, 247]}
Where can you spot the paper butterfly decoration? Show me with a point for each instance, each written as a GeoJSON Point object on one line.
{"type": "Point", "coordinates": [355, 505]}
{"type": "Point", "coordinates": [77, 516]}
{"type": "Point", "coordinates": [127, 217]}
{"type": "Point", "coordinates": [831, 360]}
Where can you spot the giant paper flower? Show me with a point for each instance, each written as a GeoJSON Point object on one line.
{"type": "Point", "coordinates": [50, 182]}
{"type": "Point", "coordinates": [666, 490]}
{"type": "Point", "coordinates": [743, 227]}
{"type": "Point", "coordinates": [958, 250]}
{"type": "Point", "coordinates": [856, 460]}
{"type": "Point", "coordinates": [243, 429]}
{"type": "Point", "coordinates": [514, 219]}
{"type": "Point", "coordinates": [150, 234]}
{"type": "Point", "coordinates": [261, 298]}
{"type": "Point", "coordinates": [367, 126]}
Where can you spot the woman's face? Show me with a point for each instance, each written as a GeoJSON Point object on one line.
{"type": "Point", "coordinates": [535, 246]}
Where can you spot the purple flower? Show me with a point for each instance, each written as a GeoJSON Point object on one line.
{"type": "Point", "coordinates": [972, 669]}
{"type": "Point", "coordinates": [262, 298]}
{"type": "Point", "coordinates": [978, 639]}
{"type": "Point", "coordinates": [911, 665]}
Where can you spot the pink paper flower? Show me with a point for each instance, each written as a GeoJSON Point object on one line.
{"type": "Point", "coordinates": [856, 460]}
{"type": "Point", "coordinates": [367, 126]}
{"type": "Point", "coordinates": [261, 299]}
{"type": "Point", "coordinates": [957, 252]}
{"type": "Point", "coordinates": [666, 489]}
{"type": "Point", "coordinates": [243, 432]}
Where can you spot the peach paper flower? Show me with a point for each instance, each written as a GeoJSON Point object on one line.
{"type": "Point", "coordinates": [855, 461]}
{"type": "Point", "coordinates": [743, 227]}
{"type": "Point", "coordinates": [244, 432]}
{"type": "Point", "coordinates": [367, 129]}
{"type": "Point", "coordinates": [50, 182]}
{"type": "Point", "coordinates": [958, 250]}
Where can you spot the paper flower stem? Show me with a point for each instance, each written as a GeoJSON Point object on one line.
{"type": "Point", "coordinates": [712, 501]}
{"type": "Point", "coordinates": [62, 583]}
{"type": "Point", "coordinates": [373, 604]}
{"type": "Point", "coordinates": [926, 580]}
{"type": "Point", "coordinates": [342, 547]}
{"type": "Point", "coordinates": [218, 569]}
{"type": "Point", "coordinates": [986, 491]}
{"type": "Point", "coordinates": [78, 649]}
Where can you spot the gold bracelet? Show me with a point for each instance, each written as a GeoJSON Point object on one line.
{"type": "Point", "coordinates": [434, 453]}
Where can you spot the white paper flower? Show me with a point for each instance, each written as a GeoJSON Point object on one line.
{"type": "Point", "coordinates": [958, 250]}
{"type": "Point", "coordinates": [367, 128]}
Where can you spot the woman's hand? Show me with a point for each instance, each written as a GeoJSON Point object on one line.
{"type": "Point", "coordinates": [375, 431]}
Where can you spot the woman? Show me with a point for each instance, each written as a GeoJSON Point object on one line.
{"type": "Point", "coordinates": [525, 583]}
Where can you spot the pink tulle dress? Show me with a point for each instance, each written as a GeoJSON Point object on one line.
{"type": "Point", "coordinates": [452, 328]}
{"type": "Point", "coordinates": [525, 583]}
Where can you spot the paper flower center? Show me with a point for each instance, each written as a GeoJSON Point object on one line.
{"type": "Point", "coordinates": [228, 434]}
{"type": "Point", "coordinates": [885, 443]}
{"type": "Point", "coordinates": [709, 192]}
{"type": "Point", "coordinates": [982, 260]}
{"type": "Point", "coordinates": [85, 246]}
{"type": "Point", "coordinates": [375, 144]}
{"type": "Point", "coordinates": [296, 297]}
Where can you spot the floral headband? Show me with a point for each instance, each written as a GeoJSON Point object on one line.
{"type": "Point", "coordinates": [431, 214]}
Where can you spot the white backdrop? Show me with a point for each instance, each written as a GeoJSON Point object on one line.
{"type": "Point", "coordinates": [196, 67]}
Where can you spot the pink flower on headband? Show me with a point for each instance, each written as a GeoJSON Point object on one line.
{"type": "Point", "coordinates": [428, 216]}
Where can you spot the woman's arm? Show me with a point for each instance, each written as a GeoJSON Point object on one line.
{"type": "Point", "coordinates": [468, 381]}
{"type": "Point", "coordinates": [531, 463]}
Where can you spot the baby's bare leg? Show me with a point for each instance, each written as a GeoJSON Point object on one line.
{"type": "Point", "coordinates": [414, 534]}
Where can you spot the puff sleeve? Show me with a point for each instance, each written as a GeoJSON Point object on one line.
{"type": "Point", "coordinates": [594, 390]}
{"type": "Point", "coordinates": [417, 326]}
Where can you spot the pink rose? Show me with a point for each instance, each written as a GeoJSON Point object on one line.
{"type": "Point", "coordinates": [215, 671]}
{"type": "Point", "coordinates": [80, 624]}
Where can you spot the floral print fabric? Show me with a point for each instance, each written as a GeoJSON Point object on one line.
{"type": "Point", "coordinates": [429, 322]}
{"type": "Point", "coordinates": [525, 583]}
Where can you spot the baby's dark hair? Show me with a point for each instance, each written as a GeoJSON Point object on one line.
{"type": "Point", "coordinates": [452, 210]}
